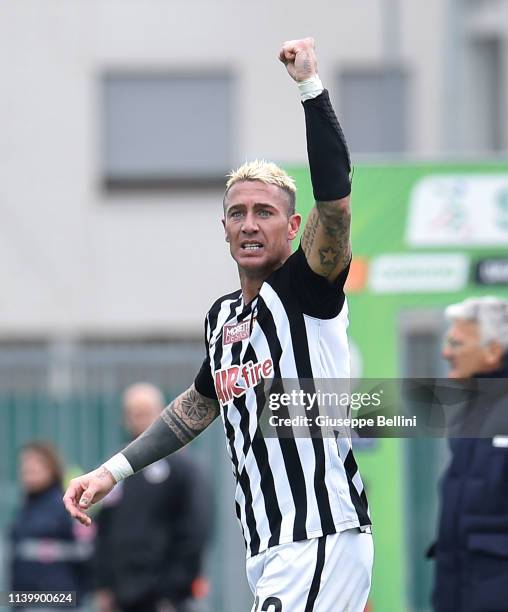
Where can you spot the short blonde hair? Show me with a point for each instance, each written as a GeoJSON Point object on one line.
{"type": "Point", "coordinates": [265, 172]}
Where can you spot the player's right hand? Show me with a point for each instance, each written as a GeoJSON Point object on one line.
{"type": "Point", "coordinates": [86, 490]}
{"type": "Point", "coordinates": [299, 57]}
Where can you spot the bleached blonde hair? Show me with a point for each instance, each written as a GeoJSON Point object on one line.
{"type": "Point", "coordinates": [267, 173]}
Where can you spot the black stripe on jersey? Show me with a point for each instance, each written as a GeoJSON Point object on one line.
{"type": "Point", "coordinates": [243, 476]}
{"type": "Point", "coordinates": [316, 580]}
{"type": "Point", "coordinates": [258, 445]}
{"type": "Point", "coordinates": [359, 500]}
{"type": "Point", "coordinates": [304, 372]}
{"type": "Point", "coordinates": [238, 513]}
{"type": "Point", "coordinates": [288, 447]}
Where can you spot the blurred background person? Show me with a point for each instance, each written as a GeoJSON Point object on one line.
{"type": "Point", "coordinates": [149, 555]}
{"type": "Point", "coordinates": [471, 552]}
{"type": "Point", "coordinates": [46, 551]}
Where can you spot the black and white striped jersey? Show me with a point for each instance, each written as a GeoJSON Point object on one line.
{"type": "Point", "coordinates": [287, 488]}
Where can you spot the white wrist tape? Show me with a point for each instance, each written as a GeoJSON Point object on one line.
{"type": "Point", "coordinates": [310, 88]}
{"type": "Point", "coordinates": [119, 467]}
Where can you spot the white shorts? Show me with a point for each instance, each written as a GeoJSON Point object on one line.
{"type": "Point", "coordinates": [327, 574]}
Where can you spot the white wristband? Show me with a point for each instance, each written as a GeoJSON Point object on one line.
{"type": "Point", "coordinates": [310, 88]}
{"type": "Point", "coordinates": [119, 467]}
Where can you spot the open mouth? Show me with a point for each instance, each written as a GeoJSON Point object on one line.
{"type": "Point", "coordinates": [251, 246]}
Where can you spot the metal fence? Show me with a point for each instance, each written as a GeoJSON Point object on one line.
{"type": "Point", "coordinates": [70, 394]}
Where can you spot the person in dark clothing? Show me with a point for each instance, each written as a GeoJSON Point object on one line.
{"type": "Point", "coordinates": [46, 553]}
{"type": "Point", "coordinates": [152, 529]}
{"type": "Point", "coordinates": [471, 551]}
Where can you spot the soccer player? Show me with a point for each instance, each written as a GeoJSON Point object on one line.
{"type": "Point", "coordinates": [300, 500]}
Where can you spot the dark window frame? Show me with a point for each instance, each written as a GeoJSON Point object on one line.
{"type": "Point", "coordinates": [188, 180]}
{"type": "Point", "coordinates": [379, 72]}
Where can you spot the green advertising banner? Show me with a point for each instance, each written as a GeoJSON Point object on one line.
{"type": "Point", "coordinates": [423, 236]}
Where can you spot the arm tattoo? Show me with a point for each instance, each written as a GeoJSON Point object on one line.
{"type": "Point", "coordinates": [325, 239]}
{"type": "Point", "coordinates": [103, 473]}
{"type": "Point", "coordinates": [177, 425]}
{"type": "Point", "coordinates": [189, 414]}
{"type": "Point", "coordinates": [329, 258]}
{"type": "Point", "coordinates": [309, 234]}
{"type": "Point", "coordinates": [336, 222]}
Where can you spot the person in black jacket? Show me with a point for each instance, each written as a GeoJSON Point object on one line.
{"type": "Point", "coordinates": [471, 551]}
{"type": "Point", "coordinates": [47, 554]}
{"type": "Point", "coordinates": [152, 529]}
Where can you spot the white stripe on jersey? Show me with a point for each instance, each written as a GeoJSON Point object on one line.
{"type": "Point", "coordinates": [324, 337]}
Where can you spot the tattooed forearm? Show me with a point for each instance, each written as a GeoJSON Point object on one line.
{"type": "Point", "coordinates": [336, 221]}
{"type": "Point", "coordinates": [189, 414]}
{"type": "Point", "coordinates": [175, 424]}
{"type": "Point", "coordinates": [178, 424]}
{"type": "Point", "coordinates": [310, 232]}
{"type": "Point", "coordinates": [325, 240]}
{"type": "Point", "coordinates": [329, 258]}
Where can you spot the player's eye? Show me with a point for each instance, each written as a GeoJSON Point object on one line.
{"type": "Point", "coordinates": [236, 214]}
{"type": "Point", "coordinates": [265, 213]}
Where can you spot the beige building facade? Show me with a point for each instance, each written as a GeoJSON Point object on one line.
{"type": "Point", "coordinates": [87, 252]}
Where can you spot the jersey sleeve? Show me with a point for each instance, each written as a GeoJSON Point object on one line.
{"type": "Point", "coordinates": [203, 382]}
{"type": "Point", "coordinates": [318, 296]}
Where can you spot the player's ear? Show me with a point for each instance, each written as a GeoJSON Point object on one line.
{"type": "Point", "coordinates": [294, 225]}
{"type": "Point", "coordinates": [224, 226]}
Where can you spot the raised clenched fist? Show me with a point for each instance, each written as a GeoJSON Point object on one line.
{"type": "Point", "coordinates": [299, 57]}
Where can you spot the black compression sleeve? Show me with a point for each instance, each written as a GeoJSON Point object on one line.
{"type": "Point", "coordinates": [329, 160]}
{"type": "Point", "coordinates": [156, 442]}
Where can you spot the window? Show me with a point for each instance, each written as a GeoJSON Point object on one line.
{"type": "Point", "coordinates": [164, 130]}
{"type": "Point", "coordinates": [373, 104]}
{"type": "Point", "coordinates": [486, 94]}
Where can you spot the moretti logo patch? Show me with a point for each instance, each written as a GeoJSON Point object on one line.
{"type": "Point", "coordinates": [235, 332]}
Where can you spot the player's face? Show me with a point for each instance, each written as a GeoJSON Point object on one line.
{"type": "Point", "coordinates": [258, 227]}
{"type": "Point", "coordinates": [464, 351]}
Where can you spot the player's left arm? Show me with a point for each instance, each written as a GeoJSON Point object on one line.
{"type": "Point", "coordinates": [325, 240]}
